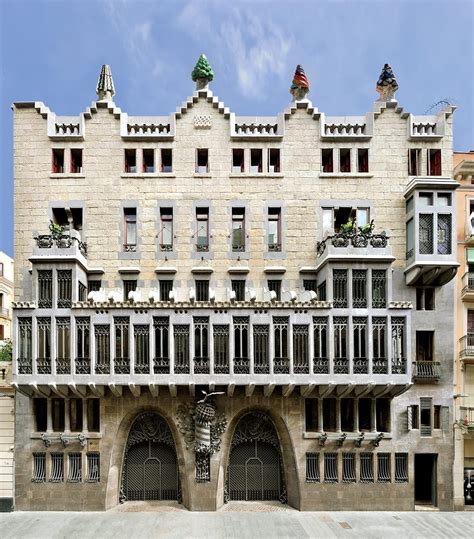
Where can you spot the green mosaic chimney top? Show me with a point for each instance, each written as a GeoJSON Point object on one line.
{"type": "Point", "coordinates": [202, 73]}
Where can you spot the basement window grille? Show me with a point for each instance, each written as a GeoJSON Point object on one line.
{"type": "Point", "coordinates": [45, 289]}
{"type": "Point", "coordinates": [300, 349]}
{"type": "Point", "coordinates": [39, 467]}
{"type": "Point", "coordinates": [57, 468]}
{"type": "Point", "coordinates": [181, 348]}
{"type": "Point", "coordinates": [75, 468]}
{"type": "Point", "coordinates": [221, 348]}
{"type": "Point", "coordinates": [93, 467]}
{"type": "Point", "coordinates": [339, 288]}
{"type": "Point", "coordinates": [366, 468]}
{"type": "Point", "coordinates": [64, 289]}
{"type": "Point", "coordinates": [330, 468]}
{"type": "Point", "coordinates": [384, 473]}
{"type": "Point", "coordinates": [401, 467]}
{"type": "Point", "coordinates": [312, 468]}
{"type": "Point", "coordinates": [141, 332]}
{"type": "Point", "coordinates": [348, 468]}
{"type": "Point", "coordinates": [359, 289]}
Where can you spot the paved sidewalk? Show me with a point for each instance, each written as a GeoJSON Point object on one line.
{"type": "Point", "coordinates": [230, 523]}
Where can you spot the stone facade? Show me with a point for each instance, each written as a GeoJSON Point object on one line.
{"type": "Point", "coordinates": [367, 283]}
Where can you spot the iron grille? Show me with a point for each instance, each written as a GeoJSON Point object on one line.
{"type": "Point", "coordinates": [384, 473]}
{"type": "Point", "coordinates": [366, 468]}
{"type": "Point", "coordinates": [322, 291]}
{"type": "Point", "coordinates": [45, 289]}
{"type": "Point", "coordinates": [141, 333]}
{"type": "Point", "coordinates": [102, 348]}
{"type": "Point", "coordinates": [261, 348]}
{"type": "Point", "coordinates": [300, 349]}
{"type": "Point", "coordinates": [401, 467]}
{"type": "Point", "coordinates": [203, 467]}
{"type": "Point", "coordinates": [75, 468]}
{"type": "Point", "coordinates": [201, 344]}
{"type": "Point", "coordinates": [82, 362]}
{"type": "Point", "coordinates": [221, 348]}
{"type": "Point", "coordinates": [64, 288]}
{"type": "Point", "coordinates": [379, 346]}
{"type": "Point", "coordinates": [312, 468]}
{"type": "Point", "coordinates": [379, 286]}
{"type": "Point", "coordinates": [202, 290]}
{"type": "Point", "coordinates": [82, 292]}
{"type": "Point", "coordinates": [238, 286]}
{"type": "Point", "coordinates": [330, 468]}
{"type": "Point", "coordinates": [93, 467]}
{"type": "Point", "coordinates": [39, 467]}
{"type": "Point", "coordinates": [399, 362]}
{"type": "Point", "coordinates": [43, 361]}
{"type": "Point", "coordinates": [122, 354]}
{"type": "Point", "coordinates": [57, 468]}
{"type": "Point", "coordinates": [181, 348]}
{"type": "Point", "coordinates": [25, 356]}
{"type": "Point", "coordinates": [320, 332]}
{"type": "Point", "coordinates": [161, 361]}
{"type": "Point", "coordinates": [281, 362]}
{"type": "Point", "coordinates": [63, 353]}
{"type": "Point", "coordinates": [348, 468]}
{"type": "Point", "coordinates": [444, 234]}
{"type": "Point", "coordinates": [359, 328]}
{"type": "Point", "coordinates": [274, 285]}
{"type": "Point", "coordinates": [426, 234]}
{"type": "Point", "coordinates": [93, 286]}
{"type": "Point", "coordinates": [129, 285]}
{"type": "Point", "coordinates": [339, 288]}
{"type": "Point", "coordinates": [359, 289]}
{"type": "Point", "coordinates": [241, 345]}
{"type": "Point", "coordinates": [341, 361]}
{"type": "Point", "coordinates": [166, 286]}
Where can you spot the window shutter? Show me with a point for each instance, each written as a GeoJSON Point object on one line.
{"type": "Point", "coordinates": [445, 418]}
{"type": "Point", "coordinates": [409, 417]}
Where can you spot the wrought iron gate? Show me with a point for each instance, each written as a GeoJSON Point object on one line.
{"type": "Point", "coordinates": [150, 470]}
{"type": "Point", "coordinates": [255, 470]}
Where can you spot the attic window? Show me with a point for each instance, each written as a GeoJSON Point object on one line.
{"type": "Point", "coordinates": [238, 163]}
{"type": "Point", "coordinates": [256, 160]}
{"type": "Point", "coordinates": [166, 160]}
{"type": "Point", "coordinates": [130, 160]}
{"type": "Point", "coordinates": [148, 160]}
{"type": "Point", "coordinates": [58, 160]}
{"type": "Point", "coordinates": [202, 161]}
{"type": "Point", "coordinates": [363, 160]}
{"type": "Point", "coordinates": [345, 160]}
{"type": "Point", "coordinates": [76, 161]}
{"type": "Point", "coordinates": [273, 160]}
{"type": "Point", "coordinates": [327, 163]}
{"type": "Point", "coordinates": [434, 162]}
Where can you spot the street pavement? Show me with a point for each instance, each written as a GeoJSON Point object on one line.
{"type": "Point", "coordinates": [236, 521]}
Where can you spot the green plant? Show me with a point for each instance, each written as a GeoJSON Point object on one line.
{"type": "Point", "coordinates": [6, 351]}
{"type": "Point", "coordinates": [348, 227]}
{"type": "Point", "coordinates": [55, 229]}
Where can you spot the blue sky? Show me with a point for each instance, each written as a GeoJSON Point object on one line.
{"type": "Point", "coordinates": [52, 51]}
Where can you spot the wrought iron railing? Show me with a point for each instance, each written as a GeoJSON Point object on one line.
{"type": "Point", "coordinates": [276, 247]}
{"type": "Point", "coordinates": [63, 365]}
{"type": "Point", "coordinates": [467, 346]}
{"type": "Point", "coordinates": [380, 365]}
{"type": "Point", "coordinates": [161, 365]}
{"type": "Point", "coordinates": [341, 365]}
{"type": "Point", "coordinates": [281, 365]}
{"type": "Point", "coordinates": [399, 365]}
{"type": "Point", "coordinates": [320, 365]}
{"type": "Point", "coordinates": [62, 241]}
{"type": "Point", "coordinates": [130, 247]}
{"type": "Point", "coordinates": [83, 365]}
{"type": "Point", "coordinates": [468, 282]}
{"type": "Point", "coordinates": [361, 365]}
{"type": "Point", "coordinates": [25, 365]}
{"type": "Point", "coordinates": [201, 365]}
{"type": "Point", "coordinates": [122, 365]}
{"type": "Point", "coordinates": [241, 365]}
{"type": "Point", "coordinates": [43, 365]}
{"type": "Point", "coordinates": [355, 238]}
{"type": "Point", "coordinates": [467, 416]}
{"type": "Point", "coordinates": [426, 370]}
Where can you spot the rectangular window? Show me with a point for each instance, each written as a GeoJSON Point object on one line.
{"type": "Point", "coordinates": [261, 349]}
{"type": "Point", "coordinates": [166, 232]}
{"type": "Point", "coordinates": [444, 234]}
{"type": "Point", "coordinates": [202, 290]}
{"type": "Point", "coordinates": [58, 410]}
{"type": "Point", "coordinates": [241, 345]}
{"type": "Point", "coordinates": [362, 160]}
{"type": "Point", "coordinates": [166, 286]}
{"type": "Point", "coordinates": [425, 416]}
{"type": "Point", "coordinates": [130, 160]}
{"type": "Point", "coordinates": [202, 229]}
{"type": "Point", "coordinates": [312, 468]}
{"type": "Point", "coordinates": [401, 467]}
{"type": "Point", "coordinates": [130, 229]}
{"type": "Point", "coordinates": [201, 344]}
{"type": "Point", "coordinates": [348, 467]}
{"type": "Point", "coordinates": [64, 289]}
{"type": "Point", "coordinates": [82, 345]}
{"type": "Point", "coordinates": [320, 360]}
{"type": "Point", "coordinates": [75, 415]}
{"type": "Point", "coordinates": [365, 415]}
{"type": "Point", "coordinates": [425, 299]}
{"type": "Point", "coordinates": [57, 468]}
{"type": "Point", "coordinates": [76, 161]}
{"type": "Point", "coordinates": [81, 291]}
{"type": "Point", "coordinates": [384, 472]}
{"type": "Point", "coordinates": [93, 415]}
{"type": "Point", "coordinates": [359, 328]}
{"type": "Point", "coordinates": [339, 288]}
{"type": "Point", "coordinates": [426, 234]}
{"type": "Point", "coordinates": [122, 340]}
{"type": "Point", "coordinates": [45, 289]}
{"type": "Point", "coordinates": [129, 285]}
{"type": "Point", "coordinates": [43, 361]}
{"type": "Point", "coordinates": [221, 348]}
{"type": "Point", "coordinates": [347, 415]}
{"type": "Point", "coordinates": [359, 289]}
{"type": "Point", "coordinates": [329, 415]}
{"type": "Point", "coordinates": [344, 160]}
{"type": "Point", "coordinates": [413, 417]}
{"type": "Point", "coordinates": [341, 362]}
{"type": "Point", "coordinates": [75, 468]}
{"type": "Point", "coordinates": [202, 161]}
{"type": "Point", "coordinates": [311, 415]}
{"type": "Point", "coordinates": [166, 160]}
{"type": "Point", "coordinates": [414, 161]}
{"type": "Point", "coordinates": [366, 467]}
{"type": "Point", "coordinates": [382, 415]}
{"type": "Point", "coordinates": [256, 161]}
{"type": "Point", "coordinates": [141, 334]}
{"type": "Point", "coordinates": [102, 348]}
{"type": "Point", "coordinates": [436, 416]}
{"type": "Point", "coordinates": [25, 353]}
{"type": "Point", "coordinates": [322, 291]}
{"type": "Point", "coordinates": [238, 286]}
{"type": "Point", "coordinates": [444, 199]}
{"type": "Point", "coordinates": [330, 468]}
{"type": "Point", "coordinates": [310, 285]}
{"type": "Point", "coordinates": [301, 349]}
{"type": "Point", "coordinates": [274, 229]}
{"type": "Point", "coordinates": [410, 239]}
{"type": "Point", "coordinates": [149, 160]}
{"type": "Point", "coordinates": [327, 163]}
{"type": "Point", "coordinates": [94, 286]}
{"type": "Point", "coordinates": [238, 161]}
{"type": "Point", "coordinates": [425, 199]}
{"type": "Point", "coordinates": [424, 345]}
{"type": "Point", "coordinates": [398, 345]}
{"type": "Point", "coordinates": [238, 229]}
{"type": "Point", "coordinates": [93, 467]}
{"type": "Point", "coordinates": [39, 468]}
{"type": "Point", "coordinates": [161, 361]}
{"type": "Point", "coordinates": [181, 348]}
{"type": "Point", "coordinates": [40, 411]}
{"type": "Point", "coordinates": [379, 345]}
{"type": "Point", "coordinates": [273, 160]}
{"type": "Point", "coordinates": [63, 345]}
{"type": "Point", "coordinates": [379, 289]}
{"type": "Point", "coordinates": [274, 285]}
{"type": "Point", "coordinates": [344, 217]}
{"type": "Point", "coordinates": [434, 162]}
{"type": "Point", "coordinates": [58, 161]}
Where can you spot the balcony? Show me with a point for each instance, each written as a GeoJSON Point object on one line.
{"type": "Point", "coordinates": [426, 371]}
{"type": "Point", "coordinates": [57, 246]}
{"type": "Point", "coordinates": [467, 416]}
{"type": "Point", "coordinates": [466, 348]}
{"type": "Point", "coordinates": [467, 292]}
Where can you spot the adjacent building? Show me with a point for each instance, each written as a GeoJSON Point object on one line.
{"type": "Point", "coordinates": [212, 307]}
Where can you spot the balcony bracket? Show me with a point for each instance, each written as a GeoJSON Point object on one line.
{"type": "Point", "coordinates": [376, 441]}
{"type": "Point", "coordinates": [116, 390]}
{"type": "Point", "coordinates": [249, 389]}
{"type": "Point", "coordinates": [358, 441]}
{"type": "Point", "coordinates": [173, 389]}
{"type": "Point", "coordinates": [341, 439]}
{"type": "Point", "coordinates": [287, 390]}
{"type": "Point", "coordinates": [322, 439]}
{"type": "Point", "coordinates": [154, 390]}
{"type": "Point", "coordinates": [230, 390]}
{"type": "Point", "coordinates": [134, 390]}
{"type": "Point", "coordinates": [268, 390]}
{"type": "Point", "coordinates": [97, 391]}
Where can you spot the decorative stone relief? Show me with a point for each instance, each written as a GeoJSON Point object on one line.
{"type": "Point", "coordinates": [203, 121]}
